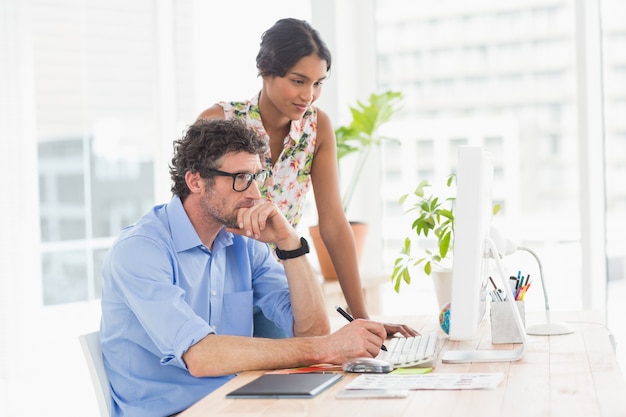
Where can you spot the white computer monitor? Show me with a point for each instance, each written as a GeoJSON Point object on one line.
{"type": "Point", "coordinates": [472, 252]}
{"type": "Point", "coordinates": [472, 221]}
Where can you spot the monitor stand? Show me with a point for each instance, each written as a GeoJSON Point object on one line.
{"type": "Point", "coordinates": [493, 355]}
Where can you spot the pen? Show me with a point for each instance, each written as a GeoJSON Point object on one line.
{"type": "Point", "coordinates": [524, 291]}
{"type": "Point", "coordinates": [495, 287]}
{"type": "Point", "coordinates": [350, 318]}
{"type": "Point", "coordinates": [496, 295]}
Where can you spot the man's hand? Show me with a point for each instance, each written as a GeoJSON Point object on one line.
{"type": "Point", "coordinates": [265, 222]}
{"type": "Point", "coordinates": [359, 338]}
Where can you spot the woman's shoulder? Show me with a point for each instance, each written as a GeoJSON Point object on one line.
{"type": "Point", "coordinates": [248, 109]}
{"type": "Point", "coordinates": [320, 114]}
{"type": "Point", "coordinates": [229, 109]}
{"type": "Point", "coordinates": [214, 112]}
{"type": "Point", "coordinates": [323, 123]}
{"type": "Point", "coordinates": [317, 116]}
{"type": "Point", "coordinates": [238, 104]}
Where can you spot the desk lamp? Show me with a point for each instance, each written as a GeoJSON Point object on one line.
{"type": "Point", "coordinates": [549, 328]}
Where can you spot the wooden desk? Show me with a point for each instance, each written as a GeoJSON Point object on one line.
{"type": "Point", "coordinates": [570, 375]}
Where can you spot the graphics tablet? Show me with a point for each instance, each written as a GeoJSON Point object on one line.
{"type": "Point", "coordinates": [286, 386]}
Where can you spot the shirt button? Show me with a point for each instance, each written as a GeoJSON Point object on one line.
{"type": "Point", "coordinates": [213, 293]}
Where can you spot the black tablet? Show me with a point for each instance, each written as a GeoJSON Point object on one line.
{"type": "Point", "coordinates": [286, 385]}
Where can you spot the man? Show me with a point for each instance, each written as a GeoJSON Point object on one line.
{"type": "Point", "coordinates": [180, 285]}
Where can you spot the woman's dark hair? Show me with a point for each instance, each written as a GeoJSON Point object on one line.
{"type": "Point", "coordinates": [204, 144]}
{"type": "Point", "coordinates": [285, 43]}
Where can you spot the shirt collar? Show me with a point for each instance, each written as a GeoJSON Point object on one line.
{"type": "Point", "coordinates": [184, 235]}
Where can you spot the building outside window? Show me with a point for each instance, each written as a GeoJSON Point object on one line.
{"type": "Point", "coordinates": [509, 69]}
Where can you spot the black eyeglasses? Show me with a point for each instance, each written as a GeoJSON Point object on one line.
{"type": "Point", "coordinates": [242, 180]}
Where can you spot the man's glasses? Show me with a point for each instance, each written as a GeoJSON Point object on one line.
{"type": "Point", "coordinates": [242, 180]}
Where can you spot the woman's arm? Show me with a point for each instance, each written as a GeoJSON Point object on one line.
{"type": "Point", "coordinates": [334, 227]}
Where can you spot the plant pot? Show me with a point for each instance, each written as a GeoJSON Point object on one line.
{"type": "Point", "coordinates": [359, 230]}
{"type": "Point", "coordinates": [442, 284]}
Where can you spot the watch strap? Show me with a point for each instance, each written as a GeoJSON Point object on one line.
{"type": "Point", "coordinates": [290, 254]}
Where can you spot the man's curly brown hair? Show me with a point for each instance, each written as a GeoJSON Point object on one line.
{"type": "Point", "coordinates": [204, 144]}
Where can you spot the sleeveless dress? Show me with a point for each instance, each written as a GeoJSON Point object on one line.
{"type": "Point", "coordinates": [290, 177]}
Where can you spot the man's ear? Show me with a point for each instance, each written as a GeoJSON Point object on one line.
{"type": "Point", "coordinates": [194, 181]}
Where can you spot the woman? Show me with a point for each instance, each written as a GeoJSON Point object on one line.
{"type": "Point", "coordinates": [293, 62]}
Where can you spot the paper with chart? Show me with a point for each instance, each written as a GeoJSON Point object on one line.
{"type": "Point", "coordinates": [435, 381]}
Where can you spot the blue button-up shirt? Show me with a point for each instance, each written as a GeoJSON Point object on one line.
{"type": "Point", "coordinates": [163, 291]}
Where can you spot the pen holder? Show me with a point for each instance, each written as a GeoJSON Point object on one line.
{"type": "Point", "coordinates": [503, 327]}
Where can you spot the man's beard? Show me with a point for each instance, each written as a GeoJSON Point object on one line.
{"type": "Point", "coordinates": [217, 213]}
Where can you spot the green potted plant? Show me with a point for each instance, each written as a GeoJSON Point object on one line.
{"type": "Point", "coordinates": [362, 134]}
{"type": "Point", "coordinates": [357, 138]}
{"type": "Point", "coordinates": [434, 216]}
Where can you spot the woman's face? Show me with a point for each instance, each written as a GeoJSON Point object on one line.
{"type": "Point", "coordinates": [299, 88]}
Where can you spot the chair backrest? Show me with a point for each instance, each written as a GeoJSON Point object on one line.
{"type": "Point", "coordinates": [90, 344]}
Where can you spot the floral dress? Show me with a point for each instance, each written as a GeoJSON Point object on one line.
{"type": "Point", "coordinates": [290, 177]}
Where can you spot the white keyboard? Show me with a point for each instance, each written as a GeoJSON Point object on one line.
{"type": "Point", "coordinates": [411, 352]}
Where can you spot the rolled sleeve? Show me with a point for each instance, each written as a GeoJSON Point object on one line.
{"type": "Point", "coordinates": [189, 335]}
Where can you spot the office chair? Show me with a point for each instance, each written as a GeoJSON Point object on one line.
{"type": "Point", "coordinates": [90, 344]}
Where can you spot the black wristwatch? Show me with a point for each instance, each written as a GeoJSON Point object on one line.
{"type": "Point", "coordinates": [289, 254]}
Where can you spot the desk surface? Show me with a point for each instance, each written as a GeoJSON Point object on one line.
{"type": "Point", "coordinates": [569, 375]}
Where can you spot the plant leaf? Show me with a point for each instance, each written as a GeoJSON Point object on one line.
{"type": "Point", "coordinates": [444, 244]}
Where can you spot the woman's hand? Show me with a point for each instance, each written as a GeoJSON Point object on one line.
{"type": "Point", "coordinates": [403, 329]}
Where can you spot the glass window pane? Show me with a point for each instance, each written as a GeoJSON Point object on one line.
{"type": "Point", "coordinates": [64, 277]}
{"type": "Point", "coordinates": [61, 189]}
{"type": "Point", "coordinates": [96, 100]}
{"type": "Point", "coordinates": [121, 186]}
{"type": "Point", "coordinates": [504, 80]}
{"type": "Point", "coordinates": [98, 260]}
{"type": "Point", "coordinates": [614, 66]}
